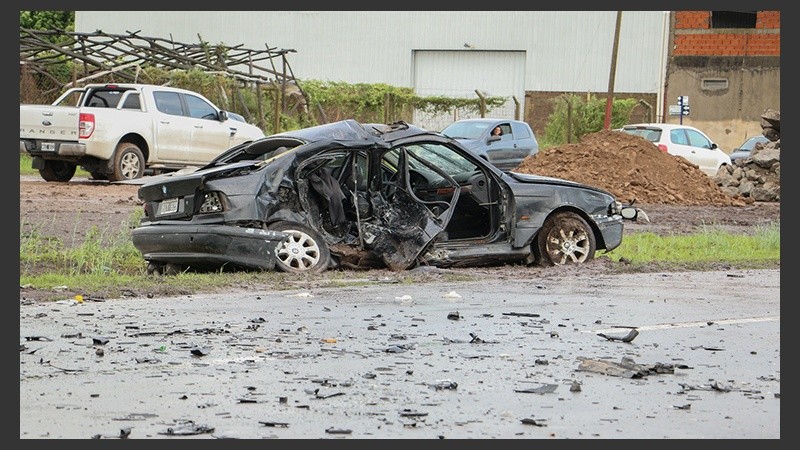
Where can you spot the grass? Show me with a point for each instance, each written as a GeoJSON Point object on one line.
{"type": "Point", "coordinates": [25, 168]}
{"type": "Point", "coordinates": [107, 265]}
{"type": "Point", "coordinates": [711, 245]}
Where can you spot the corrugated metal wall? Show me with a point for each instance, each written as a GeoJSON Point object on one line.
{"type": "Point", "coordinates": [565, 50]}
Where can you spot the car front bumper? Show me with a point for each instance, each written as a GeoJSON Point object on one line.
{"type": "Point", "coordinates": [207, 245]}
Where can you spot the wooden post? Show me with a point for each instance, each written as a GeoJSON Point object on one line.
{"type": "Point", "coordinates": [610, 98]}
{"type": "Point", "coordinates": [260, 104]}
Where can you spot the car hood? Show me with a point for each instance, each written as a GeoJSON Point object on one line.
{"type": "Point", "coordinates": [539, 179]}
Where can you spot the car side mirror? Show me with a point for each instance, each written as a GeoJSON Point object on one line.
{"type": "Point", "coordinates": [492, 139]}
{"type": "Point", "coordinates": [713, 146]}
{"type": "Point", "coordinates": [223, 115]}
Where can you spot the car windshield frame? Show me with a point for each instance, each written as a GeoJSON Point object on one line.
{"type": "Point", "coordinates": [466, 129]}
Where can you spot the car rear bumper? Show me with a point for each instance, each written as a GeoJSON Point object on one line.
{"type": "Point", "coordinates": [207, 245]}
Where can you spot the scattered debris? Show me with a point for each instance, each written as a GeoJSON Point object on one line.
{"type": "Point", "coordinates": [575, 386]}
{"type": "Point", "coordinates": [711, 349]}
{"type": "Point", "coordinates": [453, 315]}
{"type": "Point", "coordinates": [452, 294]}
{"type": "Point", "coordinates": [412, 413]}
{"type": "Point", "coordinates": [187, 428]}
{"type": "Point", "coordinates": [532, 421]}
{"type": "Point", "coordinates": [444, 384]}
{"type": "Point", "coordinates": [123, 434]}
{"type": "Point", "coordinates": [274, 424]}
{"type": "Point", "coordinates": [713, 386]}
{"type": "Point", "coordinates": [626, 368]}
{"type": "Point", "coordinates": [200, 351]}
{"type": "Point", "coordinates": [521, 314]}
{"type": "Point", "coordinates": [338, 431]}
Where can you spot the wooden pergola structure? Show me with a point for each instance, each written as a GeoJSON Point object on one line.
{"type": "Point", "coordinates": [124, 55]}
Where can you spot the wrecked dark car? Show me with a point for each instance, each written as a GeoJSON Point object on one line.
{"type": "Point", "coordinates": [352, 195]}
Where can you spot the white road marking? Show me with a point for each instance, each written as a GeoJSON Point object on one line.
{"type": "Point", "coordinates": [690, 324]}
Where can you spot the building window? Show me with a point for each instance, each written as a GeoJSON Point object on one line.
{"type": "Point", "coordinates": [714, 84]}
{"type": "Point", "coordinates": [733, 19]}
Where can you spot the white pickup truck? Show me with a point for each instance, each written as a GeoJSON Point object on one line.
{"type": "Point", "coordinates": [117, 131]}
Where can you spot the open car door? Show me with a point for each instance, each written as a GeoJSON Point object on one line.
{"type": "Point", "coordinates": [405, 224]}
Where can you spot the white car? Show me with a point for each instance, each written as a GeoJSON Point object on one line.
{"type": "Point", "coordinates": [683, 140]}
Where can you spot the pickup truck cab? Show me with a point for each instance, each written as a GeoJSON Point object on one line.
{"type": "Point", "coordinates": [117, 131]}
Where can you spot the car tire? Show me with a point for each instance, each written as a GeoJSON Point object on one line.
{"type": "Point", "coordinates": [565, 238]}
{"type": "Point", "coordinates": [55, 170]}
{"type": "Point", "coordinates": [129, 162]}
{"type": "Point", "coordinates": [304, 251]}
{"type": "Point", "coordinates": [98, 176]}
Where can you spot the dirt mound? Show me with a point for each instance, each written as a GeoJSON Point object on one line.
{"type": "Point", "coordinates": [631, 168]}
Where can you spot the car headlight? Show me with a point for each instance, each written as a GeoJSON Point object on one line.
{"type": "Point", "coordinates": [212, 203]}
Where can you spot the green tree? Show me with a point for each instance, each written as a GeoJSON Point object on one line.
{"type": "Point", "coordinates": [47, 20]}
{"type": "Point", "coordinates": [576, 116]}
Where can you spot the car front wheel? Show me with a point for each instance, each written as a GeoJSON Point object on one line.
{"type": "Point", "coordinates": [565, 238]}
{"type": "Point", "coordinates": [303, 251]}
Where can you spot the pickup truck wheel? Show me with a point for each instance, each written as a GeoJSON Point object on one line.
{"type": "Point", "coordinates": [57, 170]}
{"type": "Point", "coordinates": [304, 251]}
{"type": "Point", "coordinates": [128, 162]}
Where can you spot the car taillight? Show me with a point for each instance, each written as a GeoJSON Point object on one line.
{"type": "Point", "coordinates": [662, 147]}
{"type": "Point", "coordinates": [212, 203]}
{"type": "Point", "coordinates": [85, 125]}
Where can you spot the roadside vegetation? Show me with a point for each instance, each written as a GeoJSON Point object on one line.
{"type": "Point", "coordinates": [107, 265]}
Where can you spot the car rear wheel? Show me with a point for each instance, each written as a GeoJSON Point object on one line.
{"type": "Point", "coordinates": [565, 238]}
{"type": "Point", "coordinates": [55, 170]}
{"type": "Point", "coordinates": [128, 162]}
{"type": "Point", "coordinates": [303, 251]}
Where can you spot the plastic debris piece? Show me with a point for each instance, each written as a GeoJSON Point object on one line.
{"type": "Point", "coordinates": [452, 294]}
{"type": "Point", "coordinates": [187, 429]}
{"type": "Point", "coordinates": [521, 314]}
{"type": "Point", "coordinates": [543, 389]}
{"type": "Point", "coordinates": [274, 424]}
{"type": "Point", "coordinates": [338, 431]}
{"type": "Point", "coordinates": [627, 338]}
{"type": "Point", "coordinates": [532, 421]}
{"type": "Point", "coordinates": [454, 315]}
{"type": "Point", "coordinates": [412, 413]}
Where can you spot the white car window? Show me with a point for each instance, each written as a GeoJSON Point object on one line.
{"type": "Point", "coordinates": [678, 136]}
{"type": "Point", "coordinates": [698, 140]}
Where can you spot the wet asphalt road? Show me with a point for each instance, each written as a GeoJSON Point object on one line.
{"type": "Point", "coordinates": [521, 359]}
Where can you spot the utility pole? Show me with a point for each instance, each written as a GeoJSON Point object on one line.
{"type": "Point", "coordinates": [610, 98]}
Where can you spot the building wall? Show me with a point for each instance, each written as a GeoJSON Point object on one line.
{"type": "Point", "coordinates": [660, 55]}
{"type": "Point", "coordinates": [565, 50]}
{"type": "Point", "coordinates": [731, 75]}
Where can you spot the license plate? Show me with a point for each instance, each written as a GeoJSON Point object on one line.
{"type": "Point", "coordinates": [48, 146]}
{"type": "Point", "coordinates": [169, 206]}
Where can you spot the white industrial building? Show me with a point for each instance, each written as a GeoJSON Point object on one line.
{"type": "Point", "coordinates": [450, 53]}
